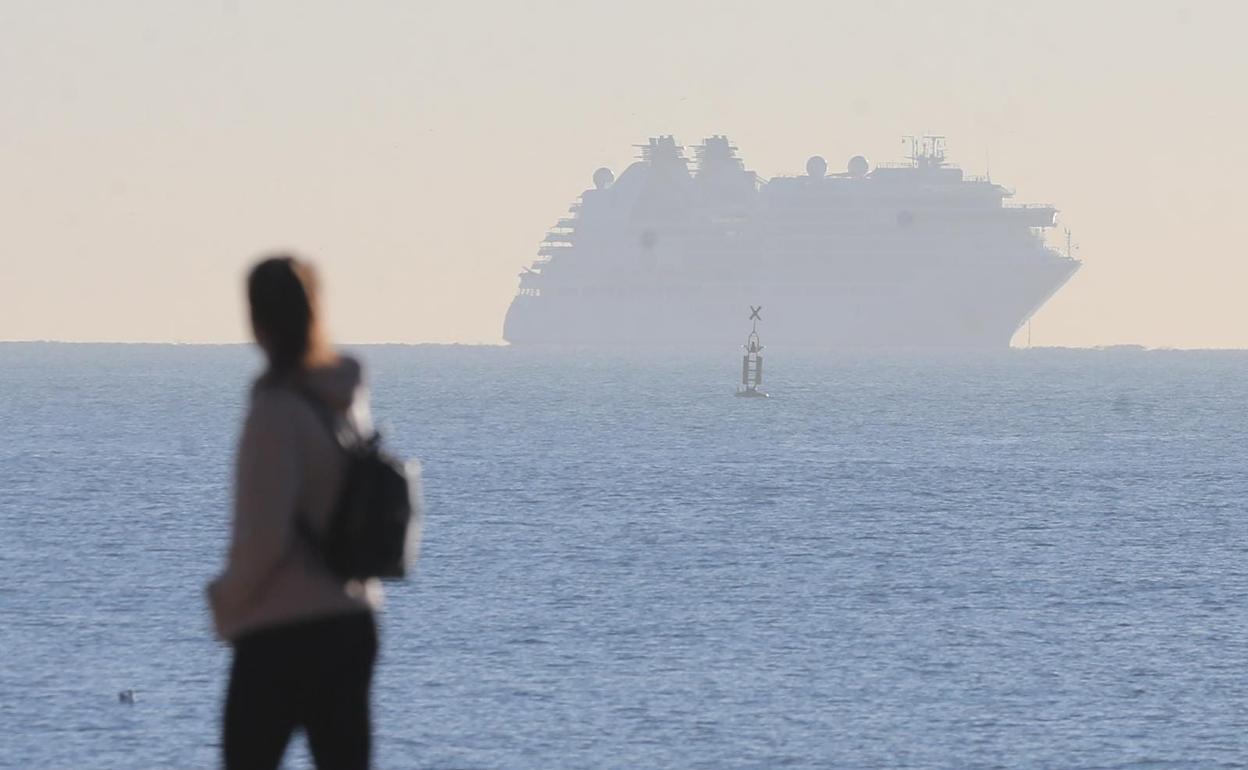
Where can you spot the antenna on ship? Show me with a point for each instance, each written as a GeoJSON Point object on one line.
{"type": "Point", "coordinates": [1070, 247]}
{"type": "Point", "coordinates": [926, 150]}
{"type": "Point", "coordinates": [752, 361]}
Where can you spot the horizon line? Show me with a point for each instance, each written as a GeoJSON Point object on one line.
{"type": "Point", "coordinates": [1116, 346]}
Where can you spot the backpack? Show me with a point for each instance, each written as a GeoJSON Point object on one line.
{"type": "Point", "coordinates": [374, 526]}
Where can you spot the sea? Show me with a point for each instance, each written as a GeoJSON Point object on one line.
{"type": "Point", "coordinates": [1034, 558]}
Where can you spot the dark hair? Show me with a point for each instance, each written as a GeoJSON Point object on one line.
{"type": "Point", "coordinates": [282, 293]}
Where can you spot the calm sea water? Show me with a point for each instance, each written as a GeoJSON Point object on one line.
{"type": "Point", "coordinates": [1033, 559]}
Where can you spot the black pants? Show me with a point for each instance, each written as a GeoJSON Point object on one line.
{"type": "Point", "coordinates": [312, 674]}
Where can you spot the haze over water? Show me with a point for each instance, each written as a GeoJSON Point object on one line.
{"type": "Point", "coordinates": [1026, 559]}
{"type": "Point", "coordinates": [419, 151]}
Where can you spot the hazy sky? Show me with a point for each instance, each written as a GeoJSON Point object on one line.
{"type": "Point", "coordinates": [418, 151]}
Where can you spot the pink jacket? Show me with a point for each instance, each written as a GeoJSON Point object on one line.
{"type": "Point", "coordinates": [288, 466]}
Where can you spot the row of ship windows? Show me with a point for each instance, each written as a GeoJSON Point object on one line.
{"type": "Point", "coordinates": [813, 288]}
{"type": "Point", "coordinates": [822, 250]}
{"type": "Point", "coordinates": [906, 226]}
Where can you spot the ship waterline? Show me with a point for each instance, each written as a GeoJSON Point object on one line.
{"type": "Point", "coordinates": [911, 314]}
{"type": "Point", "coordinates": [913, 256]}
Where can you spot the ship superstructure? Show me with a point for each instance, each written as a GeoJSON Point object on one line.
{"type": "Point", "coordinates": [908, 255]}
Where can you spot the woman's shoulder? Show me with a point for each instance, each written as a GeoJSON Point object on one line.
{"type": "Point", "coordinates": [273, 407]}
{"type": "Point", "coordinates": [335, 384]}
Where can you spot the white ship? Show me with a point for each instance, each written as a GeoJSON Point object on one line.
{"type": "Point", "coordinates": [908, 255]}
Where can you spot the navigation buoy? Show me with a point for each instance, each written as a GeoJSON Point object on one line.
{"type": "Point", "coordinates": [752, 361]}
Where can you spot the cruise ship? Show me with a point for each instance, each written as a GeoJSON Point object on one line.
{"type": "Point", "coordinates": [907, 255]}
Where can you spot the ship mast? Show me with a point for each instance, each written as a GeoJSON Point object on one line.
{"type": "Point", "coordinates": [926, 150]}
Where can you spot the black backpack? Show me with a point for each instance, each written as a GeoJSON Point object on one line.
{"type": "Point", "coordinates": [374, 523]}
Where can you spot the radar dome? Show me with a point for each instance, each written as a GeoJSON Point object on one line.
{"type": "Point", "coordinates": [603, 178]}
{"type": "Point", "coordinates": [816, 167]}
{"type": "Point", "coordinates": [858, 166]}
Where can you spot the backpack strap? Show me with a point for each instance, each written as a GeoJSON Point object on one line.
{"type": "Point", "coordinates": [334, 427]}
{"type": "Point", "coordinates": [324, 414]}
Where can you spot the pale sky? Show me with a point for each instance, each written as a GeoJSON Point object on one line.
{"type": "Point", "coordinates": [418, 151]}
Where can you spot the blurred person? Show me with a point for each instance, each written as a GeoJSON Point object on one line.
{"type": "Point", "coordinates": [304, 639]}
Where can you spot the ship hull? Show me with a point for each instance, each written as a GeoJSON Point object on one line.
{"type": "Point", "coordinates": [954, 306]}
